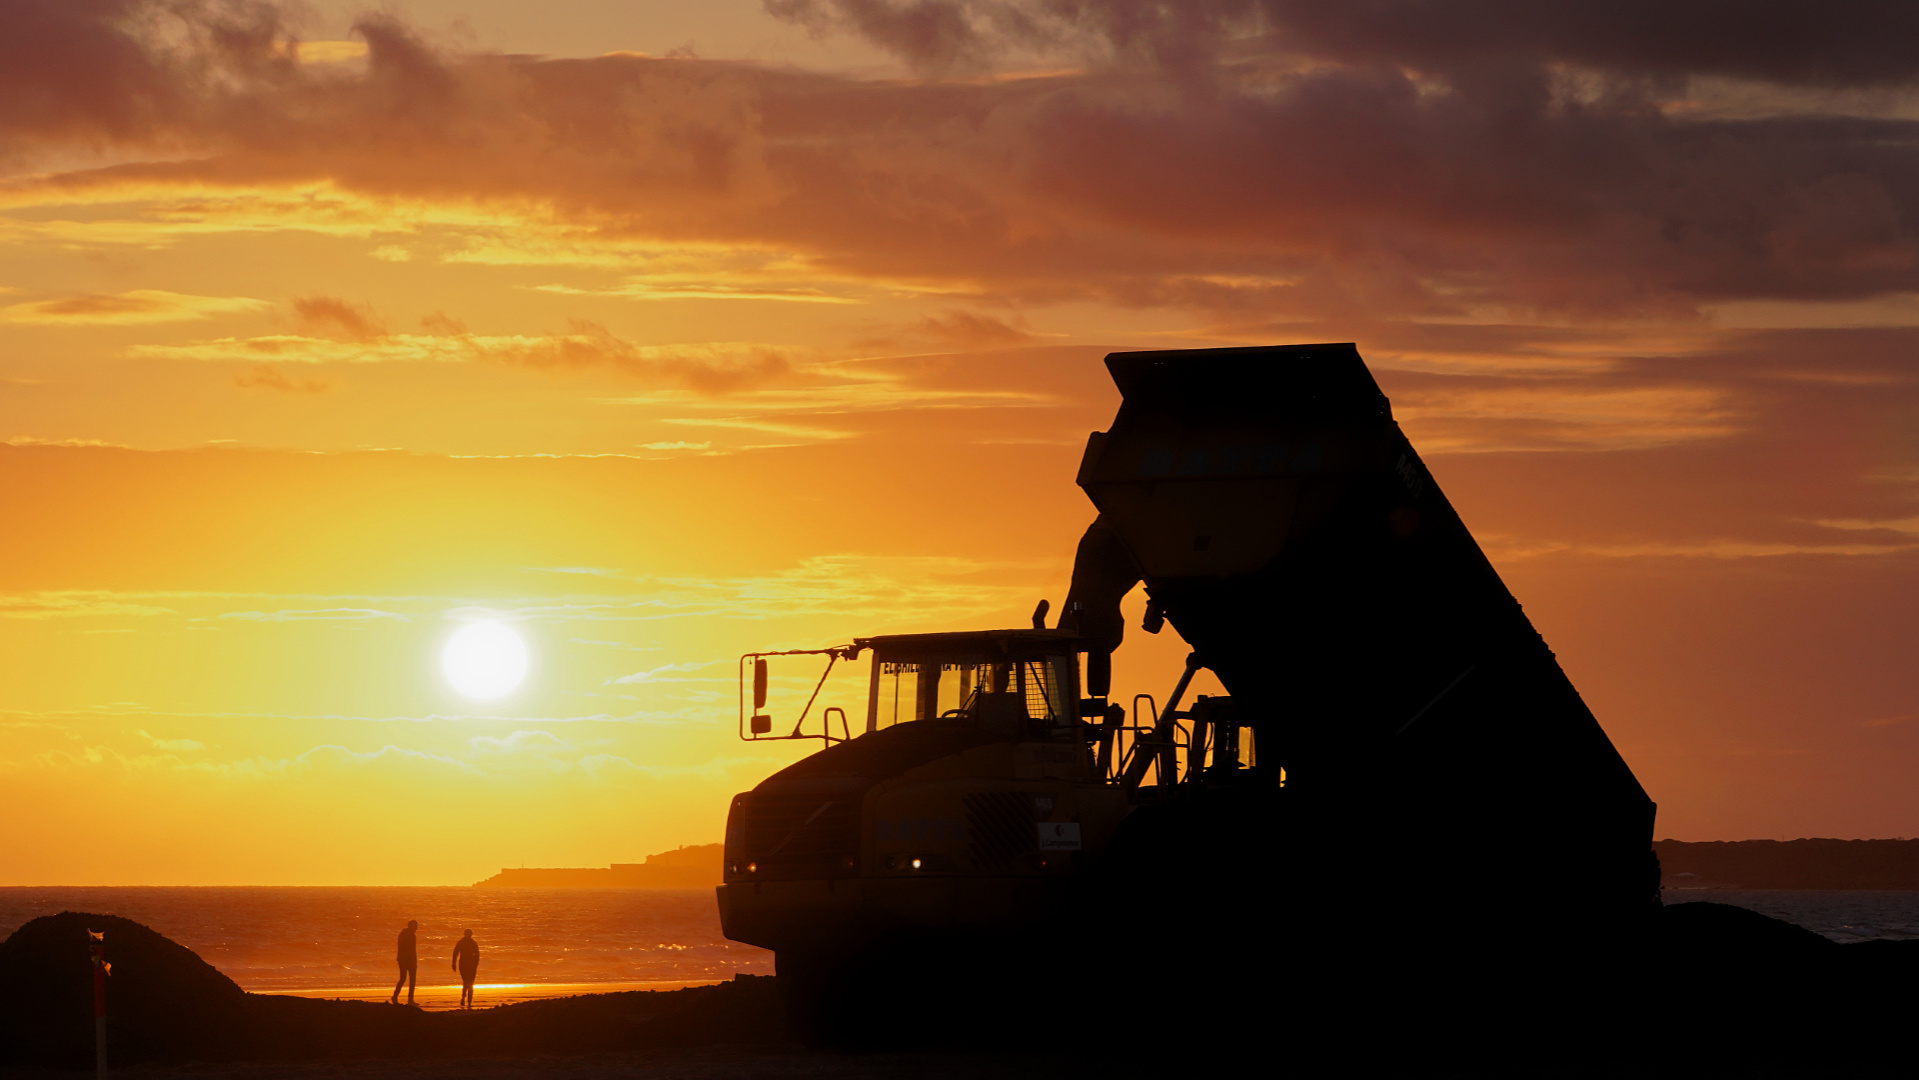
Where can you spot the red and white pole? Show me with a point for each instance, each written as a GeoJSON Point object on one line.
{"type": "Point", "coordinates": [100, 969]}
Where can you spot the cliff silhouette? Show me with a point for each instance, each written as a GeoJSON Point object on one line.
{"type": "Point", "coordinates": [696, 867]}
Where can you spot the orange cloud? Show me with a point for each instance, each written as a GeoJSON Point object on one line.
{"type": "Point", "coordinates": [1333, 168]}
{"type": "Point", "coordinates": [268, 377]}
{"type": "Point", "coordinates": [126, 309]}
{"type": "Point", "coordinates": [329, 52]}
{"type": "Point", "coordinates": [1792, 46]}
{"type": "Point", "coordinates": [327, 314]}
{"type": "Point", "coordinates": [963, 329]}
{"type": "Point", "coordinates": [1543, 415]}
{"type": "Point", "coordinates": [357, 336]}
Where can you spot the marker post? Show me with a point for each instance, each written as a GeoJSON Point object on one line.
{"type": "Point", "coordinates": [98, 946]}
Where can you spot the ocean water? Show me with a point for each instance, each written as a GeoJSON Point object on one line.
{"type": "Point", "coordinates": [340, 941]}
{"type": "Point", "coordinates": [1842, 915]}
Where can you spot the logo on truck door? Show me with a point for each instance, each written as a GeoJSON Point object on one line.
{"type": "Point", "coordinates": [1059, 836]}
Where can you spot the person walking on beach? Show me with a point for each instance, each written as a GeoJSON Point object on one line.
{"type": "Point", "coordinates": [466, 959]}
{"type": "Point", "coordinates": [409, 962]}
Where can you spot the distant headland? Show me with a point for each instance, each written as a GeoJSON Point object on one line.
{"type": "Point", "coordinates": [1789, 864]}
{"type": "Point", "coordinates": [695, 867]}
{"type": "Point", "coordinates": [1735, 864]}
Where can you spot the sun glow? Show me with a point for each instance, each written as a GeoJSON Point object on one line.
{"type": "Point", "coordinates": [484, 660]}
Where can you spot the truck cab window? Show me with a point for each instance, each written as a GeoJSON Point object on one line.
{"type": "Point", "coordinates": [967, 689]}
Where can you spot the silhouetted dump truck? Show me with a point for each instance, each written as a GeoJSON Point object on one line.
{"type": "Point", "coordinates": [1398, 747]}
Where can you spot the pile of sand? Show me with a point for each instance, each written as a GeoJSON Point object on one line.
{"type": "Point", "coordinates": [165, 1002]}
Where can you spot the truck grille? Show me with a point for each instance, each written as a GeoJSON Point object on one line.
{"type": "Point", "coordinates": [1000, 824]}
{"type": "Point", "coordinates": [786, 836]}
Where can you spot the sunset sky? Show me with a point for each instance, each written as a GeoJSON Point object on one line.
{"type": "Point", "coordinates": [664, 331]}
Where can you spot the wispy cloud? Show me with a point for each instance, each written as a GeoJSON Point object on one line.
{"type": "Point", "coordinates": [83, 605]}
{"type": "Point", "coordinates": [354, 335]}
{"type": "Point", "coordinates": [653, 675]}
{"type": "Point", "coordinates": [302, 349]}
{"type": "Point", "coordinates": [136, 710]}
{"type": "Point", "coordinates": [704, 290]}
{"type": "Point", "coordinates": [330, 756]}
{"type": "Point", "coordinates": [1906, 525]}
{"type": "Point", "coordinates": [127, 309]}
{"type": "Point", "coordinates": [1510, 549]}
{"type": "Point", "coordinates": [34, 440]}
{"type": "Point", "coordinates": [519, 742]}
{"type": "Point", "coordinates": [954, 327]}
{"type": "Point", "coordinates": [1567, 416]}
{"type": "Point", "coordinates": [268, 377]}
{"type": "Point", "coordinates": [172, 744]}
{"type": "Point", "coordinates": [788, 428]}
{"type": "Point", "coordinates": [717, 769]}
{"type": "Point", "coordinates": [330, 52]}
{"type": "Point", "coordinates": [332, 315]}
{"type": "Point", "coordinates": [315, 614]}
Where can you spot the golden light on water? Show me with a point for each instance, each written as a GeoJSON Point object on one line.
{"type": "Point", "coordinates": [484, 660]}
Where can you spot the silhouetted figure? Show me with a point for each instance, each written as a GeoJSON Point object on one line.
{"type": "Point", "coordinates": [409, 962]}
{"type": "Point", "coordinates": [466, 958]}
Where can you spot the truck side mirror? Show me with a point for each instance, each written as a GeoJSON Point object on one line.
{"type": "Point", "coordinates": [759, 689]}
{"type": "Point", "coordinates": [1099, 673]}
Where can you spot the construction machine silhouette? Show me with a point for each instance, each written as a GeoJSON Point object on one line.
{"type": "Point", "coordinates": [1396, 742]}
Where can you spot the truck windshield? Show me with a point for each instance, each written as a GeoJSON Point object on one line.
{"type": "Point", "coordinates": [973, 689]}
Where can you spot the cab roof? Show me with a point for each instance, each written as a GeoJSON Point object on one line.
{"type": "Point", "coordinates": [1008, 643]}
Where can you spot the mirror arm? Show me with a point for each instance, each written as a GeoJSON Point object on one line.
{"type": "Point", "coordinates": [833, 655]}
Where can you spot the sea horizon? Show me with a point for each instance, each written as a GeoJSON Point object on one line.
{"type": "Point", "coordinates": [340, 940]}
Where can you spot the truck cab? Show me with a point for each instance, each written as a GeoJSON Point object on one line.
{"type": "Point", "coordinates": [973, 792]}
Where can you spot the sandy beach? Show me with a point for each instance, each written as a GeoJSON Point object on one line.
{"type": "Point", "coordinates": [442, 996]}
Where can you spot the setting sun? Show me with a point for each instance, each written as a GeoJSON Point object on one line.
{"type": "Point", "coordinates": [484, 660]}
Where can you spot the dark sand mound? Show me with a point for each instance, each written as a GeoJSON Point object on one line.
{"type": "Point", "coordinates": [1744, 956]}
{"type": "Point", "coordinates": [166, 1005]}
{"type": "Point", "coordinates": [164, 1000]}
{"type": "Point", "coordinates": [1706, 938]}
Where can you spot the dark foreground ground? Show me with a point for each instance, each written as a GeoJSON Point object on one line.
{"type": "Point", "coordinates": [1705, 990]}
{"type": "Point", "coordinates": [709, 1064]}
